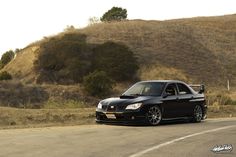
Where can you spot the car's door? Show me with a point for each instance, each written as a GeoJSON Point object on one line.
{"type": "Point", "coordinates": [184, 96]}
{"type": "Point", "coordinates": [170, 101]}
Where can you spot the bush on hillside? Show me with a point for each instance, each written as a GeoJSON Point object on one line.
{"type": "Point", "coordinates": [5, 76]}
{"type": "Point", "coordinates": [64, 59]}
{"type": "Point", "coordinates": [116, 60]}
{"type": "Point", "coordinates": [97, 84]}
{"type": "Point", "coordinates": [6, 58]}
{"type": "Point", "coordinates": [16, 94]}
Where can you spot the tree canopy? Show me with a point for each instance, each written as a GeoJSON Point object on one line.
{"type": "Point", "coordinates": [114, 14]}
{"type": "Point", "coordinates": [69, 58]}
{"type": "Point", "coordinates": [116, 60]}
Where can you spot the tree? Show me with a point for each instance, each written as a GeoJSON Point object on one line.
{"type": "Point", "coordinates": [6, 58]}
{"type": "Point", "coordinates": [93, 20]}
{"type": "Point", "coordinates": [97, 83]}
{"type": "Point", "coordinates": [114, 14]}
{"type": "Point", "coordinates": [17, 50]}
{"type": "Point", "coordinates": [64, 59]}
{"type": "Point", "coordinates": [116, 60]}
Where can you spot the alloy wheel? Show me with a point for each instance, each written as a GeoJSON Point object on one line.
{"type": "Point", "coordinates": [197, 113]}
{"type": "Point", "coordinates": [154, 115]}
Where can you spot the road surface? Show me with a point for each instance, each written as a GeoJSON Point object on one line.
{"type": "Point", "coordinates": [168, 140]}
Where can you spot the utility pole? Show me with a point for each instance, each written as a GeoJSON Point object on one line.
{"type": "Point", "coordinates": [228, 85]}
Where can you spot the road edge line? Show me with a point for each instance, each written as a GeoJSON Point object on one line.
{"type": "Point", "coordinates": [178, 139]}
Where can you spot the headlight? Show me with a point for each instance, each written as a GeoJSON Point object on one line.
{"type": "Point", "coordinates": [133, 106]}
{"type": "Point", "coordinates": [99, 106]}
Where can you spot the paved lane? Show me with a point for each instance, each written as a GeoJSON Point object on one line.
{"type": "Point", "coordinates": [119, 141]}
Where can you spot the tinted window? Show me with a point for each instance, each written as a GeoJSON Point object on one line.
{"type": "Point", "coordinates": [146, 88]}
{"type": "Point", "coordinates": [171, 89]}
{"type": "Point", "coordinates": [183, 89]}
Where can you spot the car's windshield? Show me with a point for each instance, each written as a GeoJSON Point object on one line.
{"type": "Point", "coordinates": [146, 88]}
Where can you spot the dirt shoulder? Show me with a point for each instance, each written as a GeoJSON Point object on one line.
{"type": "Point", "coordinates": [27, 118]}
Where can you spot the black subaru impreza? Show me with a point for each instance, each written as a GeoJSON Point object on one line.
{"type": "Point", "coordinates": [153, 101]}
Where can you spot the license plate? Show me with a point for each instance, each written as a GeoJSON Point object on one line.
{"type": "Point", "coordinates": [111, 116]}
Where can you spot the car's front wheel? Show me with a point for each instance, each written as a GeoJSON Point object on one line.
{"type": "Point", "coordinates": [197, 114]}
{"type": "Point", "coordinates": [154, 115]}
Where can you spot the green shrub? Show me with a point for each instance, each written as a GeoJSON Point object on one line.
{"type": "Point", "coordinates": [97, 84]}
{"type": "Point", "coordinates": [6, 58]}
{"type": "Point", "coordinates": [16, 94]}
{"type": "Point", "coordinates": [64, 60]}
{"type": "Point", "coordinates": [5, 76]}
{"type": "Point", "coordinates": [116, 60]}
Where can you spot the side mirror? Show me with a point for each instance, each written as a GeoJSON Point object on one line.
{"type": "Point", "coordinates": [202, 89]}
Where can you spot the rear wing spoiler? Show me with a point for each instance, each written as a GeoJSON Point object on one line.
{"type": "Point", "coordinates": [198, 87]}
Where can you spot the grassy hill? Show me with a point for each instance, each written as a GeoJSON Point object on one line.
{"type": "Point", "coordinates": [197, 50]}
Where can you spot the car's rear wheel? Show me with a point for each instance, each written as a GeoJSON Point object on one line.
{"type": "Point", "coordinates": [154, 115]}
{"type": "Point", "coordinates": [197, 114]}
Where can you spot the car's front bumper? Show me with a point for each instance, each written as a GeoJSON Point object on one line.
{"type": "Point", "coordinates": [119, 117]}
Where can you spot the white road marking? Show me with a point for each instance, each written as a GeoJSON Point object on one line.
{"type": "Point", "coordinates": [176, 140]}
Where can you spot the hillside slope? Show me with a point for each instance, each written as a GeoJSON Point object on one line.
{"type": "Point", "coordinates": [202, 48]}
{"type": "Point", "coordinates": [197, 50]}
{"type": "Point", "coordinates": [22, 66]}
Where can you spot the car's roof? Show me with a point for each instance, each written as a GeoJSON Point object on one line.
{"type": "Point", "coordinates": [165, 81]}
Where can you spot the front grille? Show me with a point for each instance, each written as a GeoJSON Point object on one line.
{"type": "Point", "coordinates": [121, 107]}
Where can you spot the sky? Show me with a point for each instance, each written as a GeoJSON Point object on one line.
{"type": "Point", "coordinates": [25, 21]}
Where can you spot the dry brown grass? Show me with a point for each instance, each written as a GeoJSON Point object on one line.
{"type": "Point", "coordinates": [221, 111]}
{"type": "Point", "coordinates": [233, 96]}
{"type": "Point", "coordinates": [159, 72]}
{"type": "Point", "coordinates": [12, 117]}
{"type": "Point", "coordinates": [22, 118]}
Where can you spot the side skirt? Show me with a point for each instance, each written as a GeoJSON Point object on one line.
{"type": "Point", "coordinates": [177, 118]}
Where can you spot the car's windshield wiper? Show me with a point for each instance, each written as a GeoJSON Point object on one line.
{"type": "Point", "coordinates": [130, 95]}
{"type": "Point", "coordinates": [137, 94]}
{"type": "Point", "coordinates": [127, 96]}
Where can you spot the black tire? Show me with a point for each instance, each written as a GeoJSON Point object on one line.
{"type": "Point", "coordinates": [197, 114]}
{"type": "Point", "coordinates": [154, 115]}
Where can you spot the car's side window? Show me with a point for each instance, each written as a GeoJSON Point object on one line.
{"type": "Point", "coordinates": [183, 89]}
{"type": "Point", "coordinates": [171, 89]}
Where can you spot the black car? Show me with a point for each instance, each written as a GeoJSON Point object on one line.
{"type": "Point", "coordinates": [153, 101]}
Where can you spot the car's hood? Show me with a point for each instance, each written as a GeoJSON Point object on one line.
{"type": "Point", "coordinates": [124, 101]}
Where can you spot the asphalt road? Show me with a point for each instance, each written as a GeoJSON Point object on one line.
{"type": "Point", "coordinates": [168, 140]}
